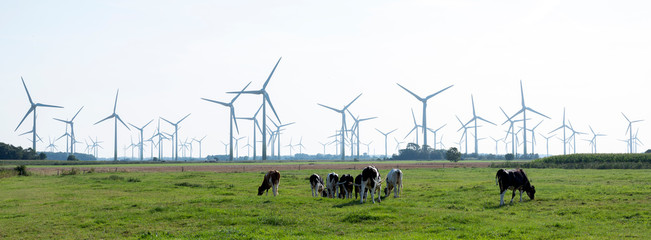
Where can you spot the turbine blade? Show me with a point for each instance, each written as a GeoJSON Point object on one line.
{"type": "Point", "coordinates": [351, 102]}
{"type": "Point", "coordinates": [21, 121]}
{"type": "Point", "coordinates": [116, 101]}
{"type": "Point", "coordinates": [266, 97]}
{"type": "Point", "coordinates": [522, 94]}
{"type": "Point", "coordinates": [104, 119]}
{"type": "Point", "coordinates": [27, 91]}
{"type": "Point", "coordinates": [481, 118]}
{"type": "Point", "coordinates": [186, 116]}
{"type": "Point", "coordinates": [218, 102]}
{"type": "Point", "coordinates": [434, 94]}
{"type": "Point", "coordinates": [410, 92]}
{"type": "Point", "coordinates": [238, 94]}
{"type": "Point", "coordinates": [271, 74]}
{"type": "Point", "coordinates": [235, 120]}
{"type": "Point", "coordinates": [413, 117]}
{"type": "Point", "coordinates": [167, 121]}
{"type": "Point", "coordinates": [473, 105]}
{"type": "Point", "coordinates": [147, 123]}
{"type": "Point", "coordinates": [47, 105]}
{"type": "Point", "coordinates": [73, 118]}
{"type": "Point", "coordinates": [622, 114]}
{"type": "Point", "coordinates": [333, 109]}
{"type": "Point", "coordinates": [392, 131]}
{"type": "Point", "coordinates": [120, 119]}
{"type": "Point", "coordinates": [528, 108]}
{"type": "Point", "coordinates": [380, 131]}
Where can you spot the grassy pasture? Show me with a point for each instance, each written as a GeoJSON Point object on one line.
{"type": "Point", "coordinates": [435, 203]}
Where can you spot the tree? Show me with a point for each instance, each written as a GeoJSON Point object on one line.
{"type": "Point", "coordinates": [72, 158]}
{"type": "Point", "coordinates": [509, 156]}
{"type": "Point", "coordinates": [453, 155]}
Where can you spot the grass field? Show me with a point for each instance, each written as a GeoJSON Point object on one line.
{"type": "Point", "coordinates": [435, 203]}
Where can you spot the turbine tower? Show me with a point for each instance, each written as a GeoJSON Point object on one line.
{"type": "Point", "coordinates": [424, 101]}
{"type": "Point", "coordinates": [343, 123]}
{"type": "Point", "coordinates": [176, 135]}
{"type": "Point", "coordinates": [434, 132]}
{"type": "Point", "coordinates": [201, 140]}
{"type": "Point", "coordinates": [385, 139]}
{"type": "Point", "coordinates": [231, 117]}
{"type": "Point", "coordinates": [141, 137]}
{"type": "Point", "coordinates": [115, 117]}
{"type": "Point", "coordinates": [72, 130]}
{"type": "Point", "coordinates": [277, 133]}
{"type": "Point", "coordinates": [563, 126]}
{"type": "Point", "coordinates": [255, 125]}
{"type": "Point", "coordinates": [416, 126]}
{"type": "Point", "coordinates": [629, 130]}
{"type": "Point", "coordinates": [356, 127]}
{"type": "Point", "coordinates": [523, 110]}
{"type": "Point", "coordinates": [265, 99]}
{"type": "Point", "coordinates": [474, 119]}
{"type": "Point", "coordinates": [32, 108]}
{"type": "Point", "coordinates": [547, 139]}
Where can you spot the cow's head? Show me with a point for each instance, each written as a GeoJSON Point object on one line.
{"type": "Point", "coordinates": [261, 190]}
{"type": "Point", "coordinates": [531, 191]}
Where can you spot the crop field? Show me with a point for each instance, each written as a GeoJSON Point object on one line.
{"type": "Point", "coordinates": [435, 203]}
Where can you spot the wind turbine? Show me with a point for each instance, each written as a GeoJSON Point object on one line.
{"type": "Point", "coordinates": [277, 133]}
{"type": "Point", "coordinates": [176, 135]}
{"type": "Point", "coordinates": [291, 147]}
{"type": "Point", "coordinates": [496, 142]}
{"type": "Point", "coordinates": [343, 123]}
{"type": "Point", "coordinates": [594, 138]}
{"type": "Point", "coordinates": [324, 147]}
{"type": "Point", "coordinates": [434, 132]}
{"type": "Point", "coordinates": [32, 108]}
{"type": "Point", "coordinates": [398, 144]}
{"type": "Point", "coordinates": [204, 137]}
{"type": "Point", "coordinates": [523, 110]}
{"type": "Point", "coordinates": [629, 130]}
{"type": "Point", "coordinates": [51, 146]}
{"type": "Point", "coordinates": [265, 99]}
{"type": "Point", "coordinates": [574, 133]}
{"type": "Point", "coordinates": [368, 148]}
{"type": "Point", "coordinates": [385, 139]}
{"type": "Point", "coordinates": [66, 134]}
{"type": "Point", "coordinates": [237, 146]}
{"type": "Point", "coordinates": [72, 129]}
{"type": "Point", "coordinates": [510, 131]}
{"type": "Point", "coordinates": [255, 125]}
{"type": "Point", "coordinates": [300, 146]}
{"type": "Point", "coordinates": [474, 119]}
{"type": "Point", "coordinates": [424, 101]}
{"type": "Point", "coordinates": [465, 134]}
{"type": "Point", "coordinates": [225, 147]}
{"type": "Point", "coordinates": [547, 139]}
{"type": "Point", "coordinates": [141, 137]}
{"type": "Point", "coordinates": [231, 117]}
{"type": "Point", "coordinates": [160, 140]}
{"type": "Point", "coordinates": [115, 117]}
{"type": "Point", "coordinates": [358, 120]}
{"type": "Point", "coordinates": [563, 126]}
{"type": "Point", "coordinates": [416, 126]}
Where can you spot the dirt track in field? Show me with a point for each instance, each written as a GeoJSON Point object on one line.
{"type": "Point", "coordinates": [255, 168]}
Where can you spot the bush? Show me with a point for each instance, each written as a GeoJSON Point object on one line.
{"type": "Point", "coordinates": [72, 171]}
{"type": "Point", "coordinates": [72, 158]}
{"type": "Point", "coordinates": [21, 170]}
{"type": "Point", "coordinates": [509, 156]}
{"type": "Point", "coordinates": [453, 155]}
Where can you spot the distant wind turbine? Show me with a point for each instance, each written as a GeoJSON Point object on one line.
{"type": "Point", "coordinates": [255, 125]}
{"type": "Point", "coordinates": [343, 123]}
{"type": "Point", "coordinates": [176, 135]}
{"type": "Point", "coordinates": [140, 144]}
{"type": "Point", "coordinates": [424, 101]}
{"type": "Point", "coordinates": [201, 140]}
{"type": "Point", "coordinates": [358, 120]}
{"type": "Point", "coordinates": [523, 110]}
{"type": "Point", "coordinates": [563, 126]}
{"type": "Point", "coordinates": [474, 119]}
{"type": "Point", "coordinates": [629, 130]}
{"type": "Point", "coordinates": [385, 140]}
{"type": "Point", "coordinates": [32, 108]}
{"type": "Point", "coordinates": [72, 129]}
{"type": "Point", "coordinates": [416, 126]}
{"type": "Point", "coordinates": [593, 141]}
{"type": "Point", "coordinates": [115, 117]}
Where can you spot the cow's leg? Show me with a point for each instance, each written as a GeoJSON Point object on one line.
{"type": "Point", "coordinates": [379, 194]}
{"type": "Point", "coordinates": [520, 195]}
{"type": "Point", "coordinates": [275, 190]}
{"type": "Point", "coordinates": [372, 194]}
{"type": "Point", "coordinates": [266, 193]}
{"type": "Point", "coordinates": [512, 196]}
{"type": "Point", "coordinates": [502, 197]}
{"type": "Point", "coordinates": [395, 191]}
{"type": "Point", "coordinates": [363, 193]}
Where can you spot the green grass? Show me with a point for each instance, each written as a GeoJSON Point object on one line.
{"type": "Point", "coordinates": [586, 161]}
{"type": "Point", "coordinates": [435, 203]}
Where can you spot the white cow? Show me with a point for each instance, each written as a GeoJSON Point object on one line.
{"type": "Point", "coordinates": [331, 184]}
{"type": "Point", "coordinates": [394, 182]}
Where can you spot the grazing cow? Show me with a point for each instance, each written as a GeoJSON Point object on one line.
{"type": "Point", "coordinates": [358, 184]}
{"type": "Point", "coordinates": [317, 185]}
{"type": "Point", "coordinates": [394, 182]}
{"type": "Point", "coordinates": [271, 180]}
{"type": "Point", "coordinates": [372, 180]}
{"type": "Point", "coordinates": [346, 186]}
{"type": "Point", "coordinates": [514, 179]}
{"type": "Point", "coordinates": [331, 184]}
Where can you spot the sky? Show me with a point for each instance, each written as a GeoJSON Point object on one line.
{"type": "Point", "coordinates": [590, 58]}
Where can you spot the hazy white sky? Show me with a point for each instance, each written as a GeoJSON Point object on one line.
{"type": "Point", "coordinates": [591, 57]}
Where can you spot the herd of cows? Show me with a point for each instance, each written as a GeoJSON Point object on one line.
{"type": "Point", "coordinates": [370, 181]}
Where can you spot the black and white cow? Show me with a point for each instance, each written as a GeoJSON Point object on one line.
{"type": "Point", "coordinates": [346, 186]}
{"type": "Point", "coordinates": [331, 184]}
{"type": "Point", "coordinates": [394, 182]}
{"type": "Point", "coordinates": [316, 183]}
{"type": "Point", "coordinates": [358, 184]}
{"type": "Point", "coordinates": [514, 179]}
{"type": "Point", "coordinates": [271, 180]}
{"type": "Point", "coordinates": [372, 181]}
